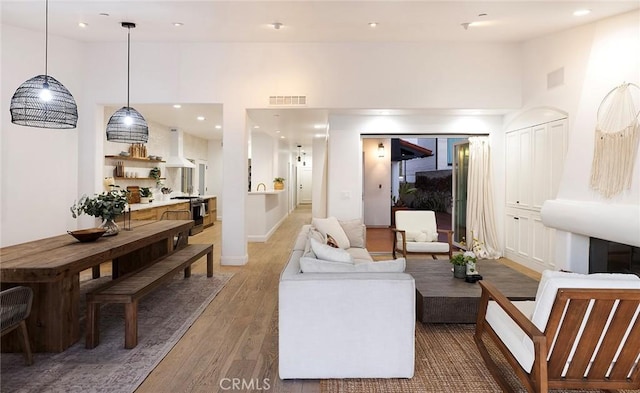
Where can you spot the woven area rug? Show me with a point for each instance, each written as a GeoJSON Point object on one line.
{"type": "Point", "coordinates": [163, 318]}
{"type": "Point", "coordinates": [447, 360]}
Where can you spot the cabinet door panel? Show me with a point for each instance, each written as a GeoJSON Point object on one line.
{"type": "Point", "coordinates": [512, 149]}
{"type": "Point", "coordinates": [524, 169]}
{"type": "Point", "coordinates": [540, 179]}
{"type": "Point", "coordinates": [557, 153]}
{"type": "Point", "coordinates": [511, 233]}
{"type": "Point", "coordinates": [539, 240]}
{"type": "Point", "coordinates": [524, 230]}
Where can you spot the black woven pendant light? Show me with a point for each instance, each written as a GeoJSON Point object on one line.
{"type": "Point", "coordinates": [127, 125]}
{"type": "Point", "coordinates": [42, 101]}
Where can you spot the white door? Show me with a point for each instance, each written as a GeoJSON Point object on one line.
{"type": "Point", "coordinates": [305, 181]}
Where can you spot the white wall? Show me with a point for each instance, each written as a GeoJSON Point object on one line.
{"type": "Point", "coordinates": [263, 157]}
{"type": "Point", "coordinates": [377, 183]}
{"type": "Point", "coordinates": [319, 197]}
{"type": "Point", "coordinates": [39, 167]}
{"type": "Point", "coordinates": [214, 174]}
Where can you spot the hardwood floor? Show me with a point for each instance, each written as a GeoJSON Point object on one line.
{"type": "Point", "coordinates": [235, 340]}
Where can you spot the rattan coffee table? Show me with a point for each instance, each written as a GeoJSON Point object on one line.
{"type": "Point", "coordinates": [441, 298]}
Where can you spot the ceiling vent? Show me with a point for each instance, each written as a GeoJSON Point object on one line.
{"type": "Point", "coordinates": [288, 100]}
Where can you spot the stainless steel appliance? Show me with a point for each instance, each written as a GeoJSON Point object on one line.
{"type": "Point", "coordinates": [196, 205]}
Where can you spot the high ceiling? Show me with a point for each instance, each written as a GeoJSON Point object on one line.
{"type": "Point", "coordinates": [302, 21]}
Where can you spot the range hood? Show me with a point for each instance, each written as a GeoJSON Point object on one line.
{"type": "Point", "coordinates": [176, 158]}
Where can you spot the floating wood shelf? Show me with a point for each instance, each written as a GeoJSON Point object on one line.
{"type": "Point", "coordinates": [139, 159]}
{"type": "Point", "coordinates": [139, 178]}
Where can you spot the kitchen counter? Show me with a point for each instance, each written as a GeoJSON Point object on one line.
{"type": "Point", "coordinates": [157, 203]}
{"type": "Point", "coordinates": [268, 192]}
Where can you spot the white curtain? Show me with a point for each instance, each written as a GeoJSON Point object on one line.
{"type": "Point", "coordinates": [481, 225]}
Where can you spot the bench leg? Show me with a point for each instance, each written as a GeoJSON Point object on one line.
{"type": "Point", "coordinates": [93, 325]}
{"type": "Point", "coordinates": [131, 324]}
{"type": "Point", "coordinates": [187, 271]}
{"type": "Point", "coordinates": [210, 264]}
{"type": "Point", "coordinates": [95, 272]}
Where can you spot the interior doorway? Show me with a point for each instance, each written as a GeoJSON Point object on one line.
{"type": "Point", "coordinates": [305, 184]}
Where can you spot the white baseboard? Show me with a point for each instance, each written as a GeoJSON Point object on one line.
{"type": "Point", "coordinates": [233, 260]}
{"type": "Point", "coordinates": [265, 237]}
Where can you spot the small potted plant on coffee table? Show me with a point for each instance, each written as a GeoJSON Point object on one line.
{"type": "Point", "coordinates": [459, 265]}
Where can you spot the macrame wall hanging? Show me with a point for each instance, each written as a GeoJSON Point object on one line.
{"type": "Point", "coordinates": [616, 141]}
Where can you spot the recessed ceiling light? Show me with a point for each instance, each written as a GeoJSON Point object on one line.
{"type": "Point", "coordinates": [218, 126]}
{"type": "Point", "coordinates": [177, 106]}
{"type": "Point", "coordinates": [277, 131]}
{"type": "Point", "coordinates": [83, 24]}
{"type": "Point", "coordinates": [282, 137]}
{"type": "Point", "coordinates": [581, 12]}
{"type": "Point", "coordinates": [276, 25]}
{"type": "Point", "coordinates": [373, 24]}
{"type": "Point", "coordinates": [256, 127]}
{"type": "Point", "coordinates": [319, 135]}
{"type": "Point", "coordinates": [201, 118]}
{"type": "Point", "coordinates": [319, 126]}
{"type": "Point", "coordinates": [178, 24]}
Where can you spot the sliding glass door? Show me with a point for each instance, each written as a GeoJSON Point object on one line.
{"type": "Point", "coordinates": [460, 171]}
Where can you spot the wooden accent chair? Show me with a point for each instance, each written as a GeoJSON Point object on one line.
{"type": "Point", "coordinates": [416, 231]}
{"type": "Point", "coordinates": [179, 241]}
{"type": "Point", "coordinates": [15, 307]}
{"type": "Point", "coordinates": [582, 332]}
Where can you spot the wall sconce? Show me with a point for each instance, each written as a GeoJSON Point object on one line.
{"type": "Point", "coordinates": [380, 150]}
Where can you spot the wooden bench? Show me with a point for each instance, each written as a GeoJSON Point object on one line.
{"type": "Point", "coordinates": [134, 286]}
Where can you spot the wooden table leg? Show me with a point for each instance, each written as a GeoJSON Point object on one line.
{"type": "Point", "coordinates": [95, 272]}
{"type": "Point", "coordinates": [53, 324]}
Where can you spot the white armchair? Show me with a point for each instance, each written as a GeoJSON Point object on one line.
{"type": "Point", "coordinates": [582, 332]}
{"type": "Point", "coordinates": [416, 231]}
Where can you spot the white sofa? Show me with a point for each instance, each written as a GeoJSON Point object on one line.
{"type": "Point", "coordinates": [345, 325]}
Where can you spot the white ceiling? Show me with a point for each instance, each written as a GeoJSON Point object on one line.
{"type": "Point", "coordinates": [303, 21]}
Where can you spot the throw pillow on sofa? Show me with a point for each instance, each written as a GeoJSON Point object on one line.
{"type": "Point", "coordinates": [331, 242]}
{"type": "Point", "coordinates": [329, 253]}
{"type": "Point", "coordinates": [332, 227]}
{"type": "Point", "coordinates": [312, 234]}
{"type": "Point", "coordinates": [354, 231]}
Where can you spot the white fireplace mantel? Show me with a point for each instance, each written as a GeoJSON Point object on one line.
{"type": "Point", "coordinates": [614, 222]}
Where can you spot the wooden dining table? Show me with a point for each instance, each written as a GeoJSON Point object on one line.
{"type": "Point", "coordinates": [52, 266]}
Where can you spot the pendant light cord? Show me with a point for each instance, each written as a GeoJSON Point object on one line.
{"type": "Point", "coordinates": [128, 60]}
{"type": "Point", "coordinates": [46, 39]}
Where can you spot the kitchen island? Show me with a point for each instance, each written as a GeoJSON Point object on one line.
{"type": "Point", "coordinates": [265, 212]}
{"type": "Point", "coordinates": [156, 209]}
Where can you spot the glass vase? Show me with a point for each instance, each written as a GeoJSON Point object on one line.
{"type": "Point", "coordinates": [110, 225]}
{"type": "Point", "coordinates": [471, 268]}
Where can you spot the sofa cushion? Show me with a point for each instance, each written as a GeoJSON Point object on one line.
{"type": "Point", "coordinates": [312, 265]}
{"type": "Point", "coordinates": [355, 232]}
{"type": "Point", "coordinates": [360, 254]}
{"type": "Point", "coordinates": [329, 253]}
{"type": "Point", "coordinates": [312, 233]}
{"type": "Point", "coordinates": [331, 226]}
{"type": "Point", "coordinates": [425, 247]}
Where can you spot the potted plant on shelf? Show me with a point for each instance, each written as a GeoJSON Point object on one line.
{"type": "Point", "coordinates": [278, 183]}
{"type": "Point", "coordinates": [145, 195]}
{"type": "Point", "coordinates": [154, 173]}
{"type": "Point", "coordinates": [107, 206]}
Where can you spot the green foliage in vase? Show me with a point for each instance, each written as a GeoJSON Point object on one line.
{"type": "Point", "coordinates": [107, 205]}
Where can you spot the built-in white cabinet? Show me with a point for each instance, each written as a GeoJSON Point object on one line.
{"type": "Point", "coordinates": [534, 163]}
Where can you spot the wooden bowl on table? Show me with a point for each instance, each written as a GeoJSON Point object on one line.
{"type": "Point", "coordinates": [87, 235]}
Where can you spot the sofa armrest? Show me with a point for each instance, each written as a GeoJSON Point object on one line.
{"type": "Point", "coordinates": [347, 325]}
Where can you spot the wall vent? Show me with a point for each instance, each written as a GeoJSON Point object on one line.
{"type": "Point", "coordinates": [555, 78]}
{"type": "Point", "coordinates": [287, 100]}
